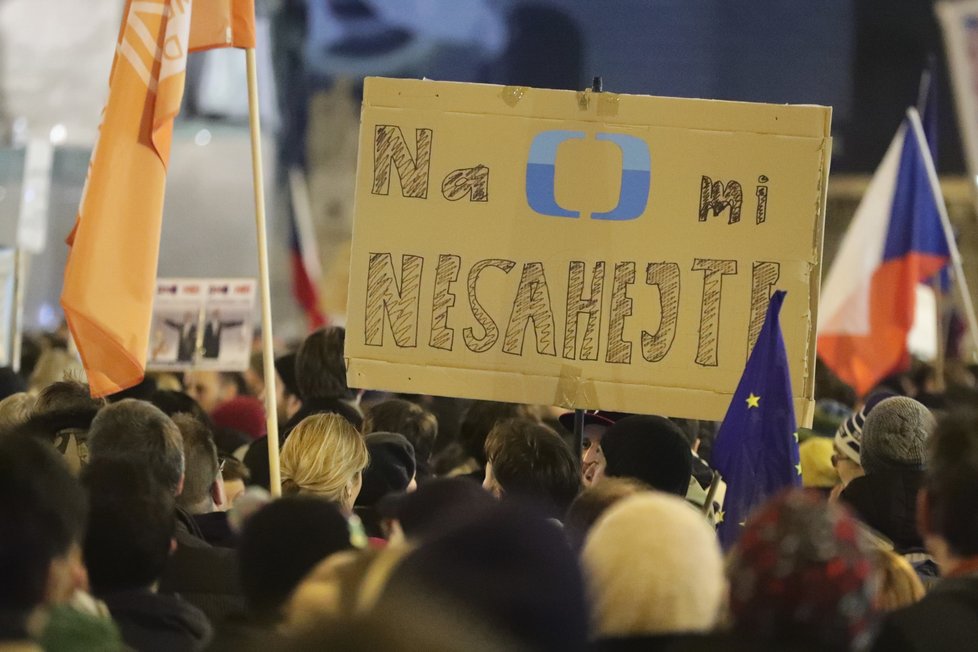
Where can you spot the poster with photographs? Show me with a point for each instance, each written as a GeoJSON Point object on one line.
{"type": "Point", "coordinates": [202, 324]}
{"type": "Point", "coordinates": [8, 268]}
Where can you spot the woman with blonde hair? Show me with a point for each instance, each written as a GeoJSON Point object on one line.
{"type": "Point", "coordinates": [324, 456]}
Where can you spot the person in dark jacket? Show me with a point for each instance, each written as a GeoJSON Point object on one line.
{"type": "Point", "coordinates": [130, 532]}
{"type": "Point", "coordinates": [139, 433]}
{"type": "Point", "coordinates": [946, 619]}
{"type": "Point", "coordinates": [893, 442]}
{"type": "Point", "coordinates": [320, 373]}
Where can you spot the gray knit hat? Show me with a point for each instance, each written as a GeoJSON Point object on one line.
{"type": "Point", "coordinates": [849, 435]}
{"type": "Point", "coordinates": [895, 434]}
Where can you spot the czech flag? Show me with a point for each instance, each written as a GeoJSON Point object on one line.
{"type": "Point", "coordinates": [896, 240]}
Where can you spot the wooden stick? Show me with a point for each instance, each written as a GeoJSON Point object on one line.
{"type": "Point", "coordinates": [268, 353]}
{"type": "Point", "coordinates": [935, 285]}
{"type": "Point", "coordinates": [960, 281]}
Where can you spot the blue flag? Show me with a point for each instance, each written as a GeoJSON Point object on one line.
{"type": "Point", "coordinates": [756, 450]}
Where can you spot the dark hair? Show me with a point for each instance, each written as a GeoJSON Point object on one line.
{"type": "Point", "coordinates": [651, 449]}
{"type": "Point", "coordinates": [418, 425]}
{"type": "Point", "coordinates": [235, 378]}
{"type": "Point", "coordinates": [64, 396]}
{"type": "Point", "coordinates": [141, 434]}
{"type": "Point", "coordinates": [951, 482]}
{"type": "Point", "coordinates": [281, 543]}
{"type": "Point", "coordinates": [130, 526]}
{"type": "Point", "coordinates": [172, 402]}
{"type": "Point", "coordinates": [591, 503]}
{"type": "Point", "coordinates": [234, 469]}
{"type": "Point", "coordinates": [42, 512]}
{"type": "Point", "coordinates": [320, 371]}
{"type": "Point", "coordinates": [200, 460]}
{"type": "Point", "coordinates": [480, 418]}
{"type": "Point", "coordinates": [531, 461]}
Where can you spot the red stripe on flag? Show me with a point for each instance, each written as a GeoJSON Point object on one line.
{"type": "Point", "coordinates": [863, 360]}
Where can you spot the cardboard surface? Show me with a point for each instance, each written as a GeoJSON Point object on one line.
{"type": "Point", "coordinates": [486, 214]}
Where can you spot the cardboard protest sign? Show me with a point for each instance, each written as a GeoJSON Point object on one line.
{"type": "Point", "coordinates": [206, 324]}
{"type": "Point", "coordinates": [588, 250]}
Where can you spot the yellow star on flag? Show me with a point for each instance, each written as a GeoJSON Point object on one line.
{"type": "Point", "coordinates": [796, 437]}
{"type": "Point", "coordinates": [753, 401]}
{"type": "Point", "coordinates": [798, 468]}
{"type": "Point", "coordinates": [720, 516]}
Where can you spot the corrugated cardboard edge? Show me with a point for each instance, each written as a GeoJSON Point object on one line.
{"type": "Point", "coordinates": [791, 120]}
{"type": "Point", "coordinates": [562, 390]}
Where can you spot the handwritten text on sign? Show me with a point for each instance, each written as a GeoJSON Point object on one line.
{"type": "Point", "coordinates": [592, 255]}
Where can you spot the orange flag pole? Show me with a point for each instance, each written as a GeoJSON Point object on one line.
{"type": "Point", "coordinates": [268, 354]}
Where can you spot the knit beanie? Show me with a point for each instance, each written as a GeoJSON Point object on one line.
{"type": "Point", "coordinates": [895, 434]}
{"type": "Point", "coordinates": [848, 437]}
{"type": "Point", "coordinates": [391, 467]}
{"type": "Point", "coordinates": [651, 449]}
{"type": "Point", "coordinates": [242, 413]}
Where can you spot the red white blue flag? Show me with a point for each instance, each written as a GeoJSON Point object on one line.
{"type": "Point", "coordinates": [896, 240]}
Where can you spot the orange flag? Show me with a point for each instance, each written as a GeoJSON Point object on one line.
{"type": "Point", "coordinates": [111, 270]}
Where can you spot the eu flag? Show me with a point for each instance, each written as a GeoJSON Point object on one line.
{"type": "Point", "coordinates": [756, 450]}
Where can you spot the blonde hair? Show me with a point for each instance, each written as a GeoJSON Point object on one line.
{"type": "Point", "coordinates": [55, 365]}
{"type": "Point", "coordinates": [899, 585]}
{"type": "Point", "coordinates": [321, 456]}
{"type": "Point", "coordinates": [15, 410]}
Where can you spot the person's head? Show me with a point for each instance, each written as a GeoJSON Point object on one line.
{"type": "Point", "coordinates": [15, 410]}
{"type": "Point", "coordinates": [42, 520]}
{"type": "Point", "coordinates": [506, 567]}
{"type": "Point", "coordinates": [817, 469]}
{"type": "Point", "coordinates": [130, 526]}
{"type": "Point", "coordinates": [895, 435]}
{"type": "Point", "coordinates": [211, 388]}
{"type": "Point", "coordinates": [244, 414]}
{"type": "Point", "coordinates": [320, 370]}
{"type": "Point", "coordinates": [325, 456]}
{"type": "Point", "coordinates": [848, 442]}
{"type": "Point", "coordinates": [417, 424]}
{"type": "Point", "coordinates": [203, 488]}
{"type": "Point", "coordinates": [281, 543]}
{"type": "Point", "coordinates": [946, 514]}
{"type": "Point", "coordinates": [592, 455]}
{"type": "Point", "coordinates": [529, 461]}
{"type": "Point", "coordinates": [653, 566]}
{"type": "Point", "coordinates": [594, 501]}
{"type": "Point", "coordinates": [438, 506]}
{"type": "Point", "coordinates": [480, 418]}
{"type": "Point", "coordinates": [650, 449]}
{"type": "Point", "coordinates": [254, 375]}
{"type": "Point", "coordinates": [391, 468]}
{"type": "Point", "coordinates": [899, 585]}
{"type": "Point", "coordinates": [54, 364]}
{"type": "Point", "coordinates": [801, 574]}
{"type": "Point", "coordinates": [287, 400]}
{"type": "Point", "coordinates": [66, 396]}
{"type": "Point", "coordinates": [172, 402]}
{"type": "Point", "coordinates": [138, 432]}
{"type": "Point", "coordinates": [235, 476]}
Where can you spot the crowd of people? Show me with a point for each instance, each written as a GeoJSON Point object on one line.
{"type": "Point", "coordinates": [144, 521]}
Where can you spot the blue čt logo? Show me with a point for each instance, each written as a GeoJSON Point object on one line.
{"type": "Point", "coordinates": [636, 175]}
